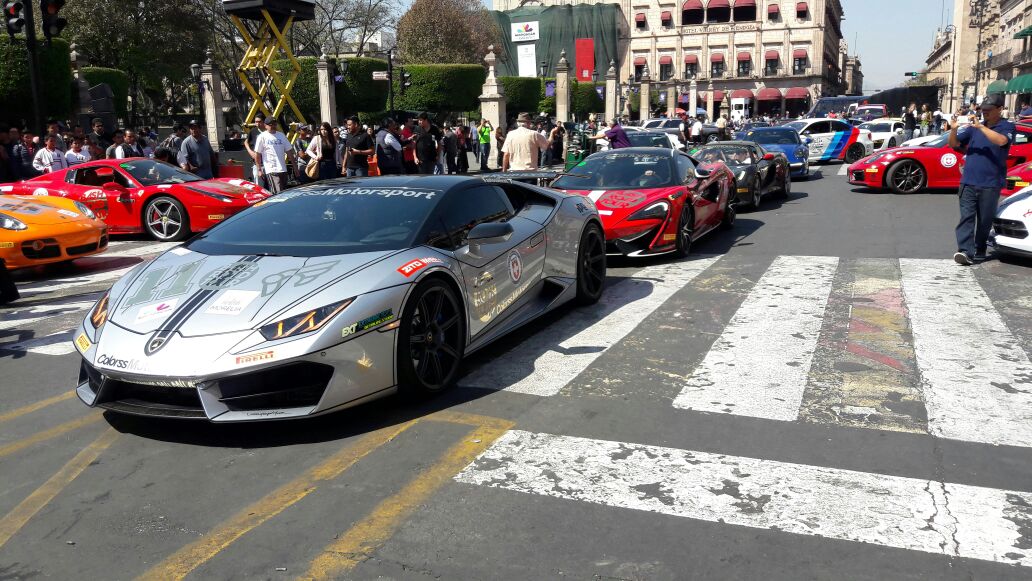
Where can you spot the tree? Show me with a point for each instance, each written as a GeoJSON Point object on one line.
{"type": "Point", "coordinates": [446, 32]}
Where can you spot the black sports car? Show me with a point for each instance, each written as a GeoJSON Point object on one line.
{"type": "Point", "coordinates": [758, 172]}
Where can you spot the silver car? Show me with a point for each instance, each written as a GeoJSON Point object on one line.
{"type": "Point", "coordinates": [334, 294]}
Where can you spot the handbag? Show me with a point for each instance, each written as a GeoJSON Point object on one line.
{"type": "Point", "coordinates": [312, 169]}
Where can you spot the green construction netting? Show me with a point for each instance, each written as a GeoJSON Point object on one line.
{"type": "Point", "coordinates": [1020, 84]}
{"type": "Point", "coordinates": [997, 86]}
{"type": "Point", "coordinates": [559, 27]}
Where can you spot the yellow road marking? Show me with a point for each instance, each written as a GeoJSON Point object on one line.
{"type": "Point", "coordinates": [16, 413]}
{"type": "Point", "coordinates": [49, 434]}
{"type": "Point", "coordinates": [185, 560]}
{"type": "Point", "coordinates": [358, 543]}
{"type": "Point", "coordinates": [16, 519]}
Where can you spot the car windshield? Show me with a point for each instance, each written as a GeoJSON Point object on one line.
{"type": "Point", "coordinates": [151, 173]}
{"type": "Point", "coordinates": [618, 171]}
{"type": "Point", "coordinates": [877, 127]}
{"type": "Point", "coordinates": [773, 137]}
{"type": "Point", "coordinates": [643, 139]}
{"type": "Point", "coordinates": [940, 141]}
{"type": "Point", "coordinates": [321, 220]}
{"type": "Point", "coordinates": [733, 154]}
{"type": "Point", "coordinates": [797, 125]}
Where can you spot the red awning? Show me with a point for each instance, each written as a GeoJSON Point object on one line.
{"type": "Point", "coordinates": [799, 53]}
{"type": "Point", "coordinates": [639, 17]}
{"type": "Point", "coordinates": [639, 61]}
{"type": "Point", "coordinates": [666, 16]}
{"type": "Point", "coordinates": [773, 9]}
{"type": "Point", "coordinates": [768, 94]}
{"type": "Point", "coordinates": [744, 56]}
{"type": "Point", "coordinates": [717, 57]}
{"type": "Point", "coordinates": [742, 94]}
{"type": "Point", "coordinates": [797, 93]}
{"type": "Point", "coordinates": [666, 60]}
{"type": "Point", "coordinates": [771, 55]}
{"type": "Point", "coordinates": [691, 5]}
{"type": "Point", "coordinates": [744, 3]}
{"type": "Point", "coordinates": [801, 7]}
{"type": "Point", "coordinates": [718, 96]}
{"type": "Point", "coordinates": [691, 59]}
{"type": "Point", "coordinates": [718, 4]}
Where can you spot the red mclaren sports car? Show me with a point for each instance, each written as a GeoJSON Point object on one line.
{"type": "Point", "coordinates": [144, 195]}
{"type": "Point", "coordinates": [653, 201]}
{"type": "Point", "coordinates": [908, 170]}
{"type": "Point", "coordinates": [1018, 178]}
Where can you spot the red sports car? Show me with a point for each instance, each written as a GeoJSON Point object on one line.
{"type": "Point", "coordinates": [144, 195]}
{"type": "Point", "coordinates": [653, 201]}
{"type": "Point", "coordinates": [1018, 178]}
{"type": "Point", "coordinates": [908, 170]}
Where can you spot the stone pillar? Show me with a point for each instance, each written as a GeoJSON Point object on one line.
{"type": "Point", "coordinates": [327, 90]}
{"type": "Point", "coordinates": [709, 103]}
{"type": "Point", "coordinates": [562, 89]}
{"type": "Point", "coordinates": [693, 98]}
{"type": "Point", "coordinates": [492, 102]}
{"type": "Point", "coordinates": [83, 101]}
{"type": "Point", "coordinates": [671, 98]}
{"type": "Point", "coordinates": [211, 89]}
{"type": "Point", "coordinates": [645, 108]}
{"type": "Point", "coordinates": [611, 92]}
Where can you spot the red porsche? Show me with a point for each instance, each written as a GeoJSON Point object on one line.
{"type": "Point", "coordinates": [908, 170]}
{"type": "Point", "coordinates": [651, 200]}
{"type": "Point", "coordinates": [144, 195]}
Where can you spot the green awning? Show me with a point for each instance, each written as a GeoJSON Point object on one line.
{"type": "Point", "coordinates": [1027, 31]}
{"type": "Point", "coordinates": [1020, 84]}
{"type": "Point", "coordinates": [997, 86]}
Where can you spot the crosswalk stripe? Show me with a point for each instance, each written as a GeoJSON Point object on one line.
{"type": "Point", "coordinates": [60, 284]}
{"type": "Point", "coordinates": [581, 336]}
{"type": "Point", "coordinates": [759, 365]}
{"type": "Point", "coordinates": [843, 169]}
{"type": "Point", "coordinates": [42, 312]}
{"type": "Point", "coordinates": [976, 378]}
{"type": "Point", "coordinates": [892, 511]}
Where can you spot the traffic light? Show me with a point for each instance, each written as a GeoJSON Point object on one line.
{"type": "Point", "coordinates": [14, 13]}
{"type": "Point", "coordinates": [911, 74]}
{"type": "Point", "coordinates": [406, 80]}
{"type": "Point", "coordinates": [52, 23]}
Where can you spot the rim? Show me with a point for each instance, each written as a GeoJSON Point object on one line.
{"type": "Point", "coordinates": [852, 154]}
{"type": "Point", "coordinates": [593, 266]}
{"type": "Point", "coordinates": [434, 339]}
{"type": "Point", "coordinates": [907, 177]}
{"type": "Point", "coordinates": [757, 196]}
{"type": "Point", "coordinates": [164, 219]}
{"type": "Point", "coordinates": [729, 215]}
{"type": "Point", "coordinates": [685, 229]}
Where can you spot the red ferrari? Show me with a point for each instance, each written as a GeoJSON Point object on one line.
{"type": "Point", "coordinates": [908, 170]}
{"type": "Point", "coordinates": [1018, 178]}
{"type": "Point", "coordinates": [144, 195]}
{"type": "Point", "coordinates": [651, 200]}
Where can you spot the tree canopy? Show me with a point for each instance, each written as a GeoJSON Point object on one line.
{"type": "Point", "coordinates": [446, 32]}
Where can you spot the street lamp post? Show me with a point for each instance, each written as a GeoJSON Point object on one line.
{"type": "Point", "coordinates": [195, 74]}
{"type": "Point", "coordinates": [544, 68]}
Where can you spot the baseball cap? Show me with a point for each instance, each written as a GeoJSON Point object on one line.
{"type": "Point", "coordinates": [992, 100]}
{"type": "Point", "coordinates": [193, 123]}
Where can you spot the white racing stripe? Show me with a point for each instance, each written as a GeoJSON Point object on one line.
{"type": "Point", "coordinates": [759, 365]}
{"type": "Point", "coordinates": [891, 511]}
{"type": "Point", "coordinates": [975, 377]}
{"type": "Point", "coordinates": [581, 336]}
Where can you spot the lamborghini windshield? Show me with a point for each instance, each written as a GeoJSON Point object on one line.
{"type": "Point", "coordinates": [619, 171]}
{"type": "Point", "coordinates": [320, 221]}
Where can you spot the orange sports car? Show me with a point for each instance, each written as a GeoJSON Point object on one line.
{"type": "Point", "coordinates": [42, 230]}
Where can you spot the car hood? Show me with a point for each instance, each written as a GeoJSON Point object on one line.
{"type": "Point", "coordinates": [1016, 207]}
{"type": "Point", "coordinates": [33, 212]}
{"type": "Point", "coordinates": [197, 294]}
{"type": "Point", "coordinates": [789, 149]}
{"type": "Point", "coordinates": [237, 189]}
{"type": "Point", "coordinates": [616, 205]}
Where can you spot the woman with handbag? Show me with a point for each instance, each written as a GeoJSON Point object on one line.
{"type": "Point", "coordinates": [322, 151]}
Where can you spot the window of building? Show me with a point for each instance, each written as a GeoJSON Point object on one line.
{"type": "Point", "coordinates": [666, 72]}
{"type": "Point", "coordinates": [744, 68]}
{"type": "Point", "coordinates": [666, 18]}
{"type": "Point", "coordinates": [770, 68]}
{"type": "Point", "coordinates": [639, 20]}
{"type": "Point", "coordinates": [802, 10]}
{"type": "Point", "coordinates": [692, 13]}
{"type": "Point", "coordinates": [691, 70]}
{"type": "Point", "coordinates": [717, 69]}
{"type": "Point", "coordinates": [799, 66]}
{"type": "Point", "coordinates": [718, 14]}
{"type": "Point", "coordinates": [745, 10]}
{"type": "Point", "coordinates": [639, 70]}
{"type": "Point", "coordinates": [773, 13]}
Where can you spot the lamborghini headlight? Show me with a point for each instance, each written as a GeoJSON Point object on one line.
{"type": "Point", "coordinates": [303, 323]}
{"type": "Point", "coordinates": [85, 210]}
{"type": "Point", "coordinates": [99, 314]}
{"type": "Point", "coordinates": [11, 223]}
{"type": "Point", "coordinates": [656, 211]}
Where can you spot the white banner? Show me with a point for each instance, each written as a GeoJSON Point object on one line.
{"type": "Point", "coordinates": [526, 57]}
{"type": "Point", "coordinates": [524, 31]}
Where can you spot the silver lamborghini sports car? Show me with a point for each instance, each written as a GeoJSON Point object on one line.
{"type": "Point", "coordinates": [333, 294]}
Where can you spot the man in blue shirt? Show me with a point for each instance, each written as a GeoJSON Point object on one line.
{"type": "Point", "coordinates": [985, 171]}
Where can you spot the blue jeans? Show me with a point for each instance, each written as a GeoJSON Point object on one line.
{"type": "Point", "coordinates": [977, 210]}
{"type": "Point", "coordinates": [485, 152]}
{"type": "Point", "coordinates": [357, 172]}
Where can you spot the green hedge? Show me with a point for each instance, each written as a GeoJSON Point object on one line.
{"type": "Point", "coordinates": [55, 80]}
{"type": "Point", "coordinates": [116, 79]}
{"type": "Point", "coordinates": [359, 92]}
{"type": "Point", "coordinates": [441, 88]}
{"type": "Point", "coordinates": [306, 87]}
{"type": "Point", "coordinates": [522, 93]}
{"type": "Point", "coordinates": [584, 99]}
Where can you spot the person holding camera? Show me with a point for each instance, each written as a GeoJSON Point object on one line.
{"type": "Point", "coordinates": [358, 148]}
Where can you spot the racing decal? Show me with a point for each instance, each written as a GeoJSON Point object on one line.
{"type": "Point", "coordinates": [40, 192]}
{"type": "Point", "coordinates": [594, 195]}
{"type": "Point", "coordinates": [180, 251]}
{"type": "Point", "coordinates": [6, 188]}
{"type": "Point", "coordinates": [948, 160]}
{"type": "Point", "coordinates": [1027, 214]}
{"type": "Point", "coordinates": [82, 342]}
{"type": "Point", "coordinates": [669, 237]}
{"type": "Point", "coordinates": [94, 194]}
{"type": "Point", "coordinates": [164, 186]}
{"type": "Point", "coordinates": [68, 213]}
{"type": "Point", "coordinates": [515, 266]}
{"type": "Point", "coordinates": [367, 323]}
{"type": "Point", "coordinates": [255, 357]}
{"type": "Point", "coordinates": [112, 362]}
{"type": "Point", "coordinates": [216, 216]}
{"type": "Point", "coordinates": [484, 299]}
{"type": "Point", "coordinates": [505, 303]}
{"type": "Point", "coordinates": [305, 275]}
{"type": "Point", "coordinates": [228, 276]}
{"type": "Point", "coordinates": [6, 244]}
{"type": "Point", "coordinates": [159, 310]}
{"type": "Point", "coordinates": [414, 266]}
{"type": "Point", "coordinates": [154, 286]}
{"type": "Point", "coordinates": [22, 207]}
{"type": "Point", "coordinates": [382, 192]}
{"type": "Point", "coordinates": [231, 302]}
{"type": "Point", "coordinates": [620, 200]}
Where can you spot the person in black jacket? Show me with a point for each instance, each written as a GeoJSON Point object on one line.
{"type": "Point", "coordinates": [909, 122]}
{"type": "Point", "coordinates": [388, 149]}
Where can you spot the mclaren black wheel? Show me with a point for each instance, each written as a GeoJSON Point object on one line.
{"type": "Point", "coordinates": [431, 340]}
{"type": "Point", "coordinates": [757, 194]}
{"type": "Point", "coordinates": [906, 177]}
{"type": "Point", "coordinates": [591, 265]}
{"type": "Point", "coordinates": [685, 231]}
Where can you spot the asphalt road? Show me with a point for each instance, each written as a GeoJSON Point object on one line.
{"type": "Point", "coordinates": [818, 394]}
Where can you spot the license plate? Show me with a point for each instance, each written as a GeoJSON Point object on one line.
{"type": "Point", "coordinates": [82, 342]}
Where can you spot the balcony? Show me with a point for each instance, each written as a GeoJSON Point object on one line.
{"type": "Point", "coordinates": [1022, 58]}
{"type": "Point", "coordinates": [997, 61]}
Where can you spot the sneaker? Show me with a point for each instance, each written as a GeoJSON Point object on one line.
{"type": "Point", "coordinates": [962, 259]}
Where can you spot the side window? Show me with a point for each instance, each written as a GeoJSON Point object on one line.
{"type": "Point", "coordinates": [70, 176]}
{"type": "Point", "coordinates": [672, 124]}
{"type": "Point", "coordinates": [466, 209]}
{"type": "Point", "coordinates": [837, 126]}
{"type": "Point", "coordinates": [685, 168]}
{"type": "Point", "coordinates": [819, 127]}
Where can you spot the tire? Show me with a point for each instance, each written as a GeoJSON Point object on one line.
{"type": "Point", "coordinates": [906, 177]}
{"type": "Point", "coordinates": [431, 340]}
{"type": "Point", "coordinates": [786, 188]}
{"type": "Point", "coordinates": [591, 265]}
{"type": "Point", "coordinates": [685, 230]}
{"type": "Point", "coordinates": [712, 137]}
{"type": "Point", "coordinates": [855, 153]}
{"type": "Point", "coordinates": [757, 197]}
{"type": "Point", "coordinates": [892, 143]}
{"type": "Point", "coordinates": [165, 219]}
{"type": "Point", "coordinates": [728, 221]}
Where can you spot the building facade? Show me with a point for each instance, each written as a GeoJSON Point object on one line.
{"type": "Point", "coordinates": [778, 55]}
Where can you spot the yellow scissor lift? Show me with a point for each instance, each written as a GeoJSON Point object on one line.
{"type": "Point", "coordinates": [273, 19]}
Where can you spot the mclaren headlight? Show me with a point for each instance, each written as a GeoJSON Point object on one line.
{"type": "Point", "coordinates": [656, 211]}
{"type": "Point", "coordinates": [741, 175]}
{"type": "Point", "coordinates": [99, 314]}
{"type": "Point", "coordinates": [876, 158]}
{"type": "Point", "coordinates": [11, 223]}
{"type": "Point", "coordinates": [85, 210]}
{"type": "Point", "coordinates": [303, 323]}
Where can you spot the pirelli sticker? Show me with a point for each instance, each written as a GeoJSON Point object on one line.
{"type": "Point", "coordinates": [83, 342]}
